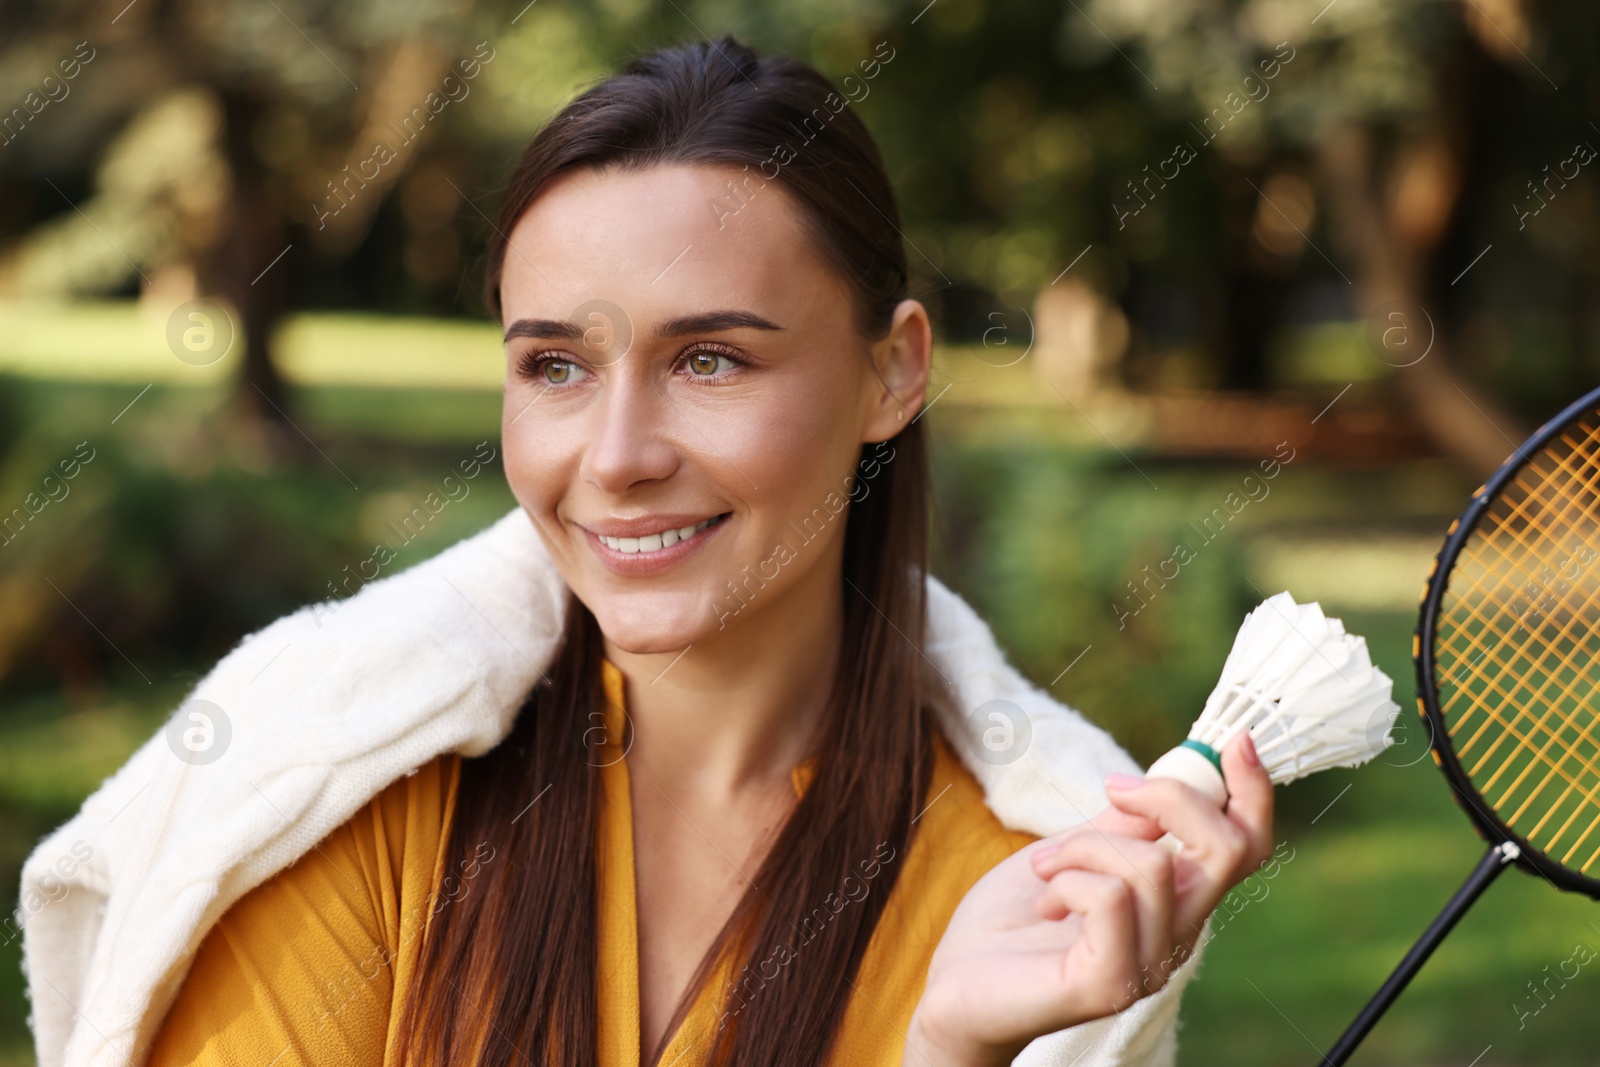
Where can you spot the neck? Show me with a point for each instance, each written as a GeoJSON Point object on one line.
{"type": "Point", "coordinates": [738, 710]}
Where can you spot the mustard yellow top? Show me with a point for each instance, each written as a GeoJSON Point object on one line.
{"type": "Point", "coordinates": [309, 967]}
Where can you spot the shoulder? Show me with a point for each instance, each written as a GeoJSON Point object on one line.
{"type": "Point", "coordinates": [336, 931]}
{"type": "Point", "coordinates": [1055, 779]}
{"type": "Point", "coordinates": [957, 839]}
{"type": "Point", "coordinates": [957, 818]}
{"type": "Point", "coordinates": [379, 867]}
{"type": "Point", "coordinates": [394, 848]}
{"type": "Point", "coordinates": [389, 849]}
{"type": "Point", "coordinates": [407, 822]}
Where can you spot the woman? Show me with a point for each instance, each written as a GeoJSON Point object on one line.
{"type": "Point", "coordinates": [726, 827]}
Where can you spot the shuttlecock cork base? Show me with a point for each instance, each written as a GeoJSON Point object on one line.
{"type": "Point", "coordinates": [1305, 689]}
{"type": "Point", "coordinates": [1194, 763]}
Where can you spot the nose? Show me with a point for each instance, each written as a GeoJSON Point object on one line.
{"type": "Point", "coordinates": [630, 439]}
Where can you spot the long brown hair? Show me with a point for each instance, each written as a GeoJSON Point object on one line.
{"type": "Point", "coordinates": [508, 968]}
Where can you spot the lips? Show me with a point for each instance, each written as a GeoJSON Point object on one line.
{"type": "Point", "coordinates": [642, 547]}
{"type": "Point", "coordinates": [655, 542]}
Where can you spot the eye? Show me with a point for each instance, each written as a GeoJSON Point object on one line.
{"type": "Point", "coordinates": [549, 369]}
{"type": "Point", "coordinates": [559, 371]}
{"type": "Point", "coordinates": [709, 362]}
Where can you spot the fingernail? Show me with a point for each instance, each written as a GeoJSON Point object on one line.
{"type": "Point", "coordinates": [1123, 781]}
{"type": "Point", "coordinates": [1250, 755]}
{"type": "Point", "coordinates": [1042, 854]}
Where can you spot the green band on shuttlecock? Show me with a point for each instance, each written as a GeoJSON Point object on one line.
{"type": "Point", "coordinates": [1207, 751]}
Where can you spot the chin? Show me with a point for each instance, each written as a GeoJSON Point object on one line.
{"type": "Point", "coordinates": [647, 625]}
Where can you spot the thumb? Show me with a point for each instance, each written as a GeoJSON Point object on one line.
{"type": "Point", "coordinates": [1249, 794]}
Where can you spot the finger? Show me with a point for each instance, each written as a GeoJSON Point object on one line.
{"type": "Point", "coordinates": [1106, 956]}
{"type": "Point", "coordinates": [1215, 848]}
{"type": "Point", "coordinates": [1113, 820]}
{"type": "Point", "coordinates": [1249, 797]}
{"type": "Point", "coordinates": [1147, 870]}
{"type": "Point", "coordinates": [1110, 820]}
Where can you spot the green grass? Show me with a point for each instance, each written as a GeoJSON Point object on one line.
{"type": "Point", "coordinates": [1290, 971]}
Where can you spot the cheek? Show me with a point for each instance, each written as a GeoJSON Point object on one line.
{"type": "Point", "coordinates": [790, 443]}
{"type": "Point", "coordinates": [537, 464]}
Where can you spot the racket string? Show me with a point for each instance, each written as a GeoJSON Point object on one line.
{"type": "Point", "coordinates": [1540, 666]}
{"type": "Point", "coordinates": [1474, 638]}
{"type": "Point", "coordinates": [1480, 674]}
{"type": "Point", "coordinates": [1516, 634]}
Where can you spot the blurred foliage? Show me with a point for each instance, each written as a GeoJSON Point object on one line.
{"type": "Point", "coordinates": [1046, 542]}
{"type": "Point", "coordinates": [203, 140]}
{"type": "Point", "coordinates": [179, 541]}
{"type": "Point", "coordinates": [1063, 551]}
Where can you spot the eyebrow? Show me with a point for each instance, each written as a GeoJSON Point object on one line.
{"type": "Point", "coordinates": [709, 322]}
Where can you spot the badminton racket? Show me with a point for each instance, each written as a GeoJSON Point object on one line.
{"type": "Point", "coordinates": [1508, 662]}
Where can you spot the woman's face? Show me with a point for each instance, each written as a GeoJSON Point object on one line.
{"type": "Point", "coordinates": [686, 397]}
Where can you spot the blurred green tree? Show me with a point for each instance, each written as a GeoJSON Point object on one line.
{"type": "Point", "coordinates": [1377, 145]}
{"type": "Point", "coordinates": [239, 144]}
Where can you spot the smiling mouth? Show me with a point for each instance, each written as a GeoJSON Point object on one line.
{"type": "Point", "coordinates": [657, 541]}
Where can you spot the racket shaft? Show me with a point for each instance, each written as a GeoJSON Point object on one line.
{"type": "Point", "coordinates": [1497, 859]}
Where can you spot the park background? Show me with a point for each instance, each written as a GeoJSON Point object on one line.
{"type": "Point", "coordinates": [1165, 242]}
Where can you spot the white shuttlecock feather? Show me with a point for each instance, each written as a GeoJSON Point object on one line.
{"type": "Point", "coordinates": [1305, 689]}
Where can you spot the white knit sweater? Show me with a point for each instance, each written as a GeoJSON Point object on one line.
{"type": "Point", "coordinates": [328, 708]}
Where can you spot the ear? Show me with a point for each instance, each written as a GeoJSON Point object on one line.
{"type": "Point", "coordinates": [900, 361]}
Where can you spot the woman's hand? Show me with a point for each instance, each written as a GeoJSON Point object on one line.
{"type": "Point", "coordinates": [1081, 924]}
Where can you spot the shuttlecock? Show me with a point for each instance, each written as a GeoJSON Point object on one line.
{"type": "Point", "coordinates": [1307, 692]}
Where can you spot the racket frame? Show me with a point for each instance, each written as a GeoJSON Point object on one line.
{"type": "Point", "coordinates": [1484, 819]}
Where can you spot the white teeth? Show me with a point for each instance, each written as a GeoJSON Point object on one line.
{"type": "Point", "coordinates": [654, 542]}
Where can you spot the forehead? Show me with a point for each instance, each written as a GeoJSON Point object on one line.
{"type": "Point", "coordinates": [659, 239]}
